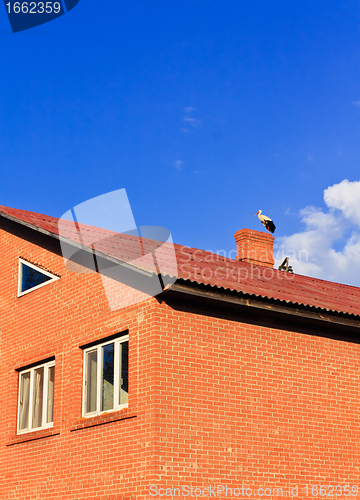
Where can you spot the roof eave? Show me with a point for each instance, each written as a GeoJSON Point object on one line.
{"type": "Point", "coordinates": [264, 303]}
{"type": "Point", "coordinates": [219, 293]}
{"type": "Point", "coordinates": [76, 245]}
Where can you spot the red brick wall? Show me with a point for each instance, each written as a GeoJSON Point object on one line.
{"type": "Point", "coordinates": [256, 407]}
{"type": "Point", "coordinates": [70, 461]}
{"type": "Point", "coordinates": [212, 402]}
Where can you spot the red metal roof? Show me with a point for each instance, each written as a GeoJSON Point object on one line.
{"type": "Point", "coordinates": [200, 266]}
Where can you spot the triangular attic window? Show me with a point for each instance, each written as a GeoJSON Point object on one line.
{"type": "Point", "coordinates": [32, 277]}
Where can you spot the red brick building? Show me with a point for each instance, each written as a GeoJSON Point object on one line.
{"type": "Point", "coordinates": [236, 376]}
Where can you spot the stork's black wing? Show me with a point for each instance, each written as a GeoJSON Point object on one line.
{"type": "Point", "coordinates": [270, 226]}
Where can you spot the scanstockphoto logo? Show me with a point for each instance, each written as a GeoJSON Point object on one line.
{"type": "Point", "coordinates": [25, 15]}
{"type": "Point", "coordinates": [101, 236]}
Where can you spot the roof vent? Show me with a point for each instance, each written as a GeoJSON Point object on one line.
{"type": "Point", "coordinates": [255, 247]}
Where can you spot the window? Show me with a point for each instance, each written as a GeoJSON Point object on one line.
{"type": "Point", "coordinates": [106, 378]}
{"type": "Point", "coordinates": [36, 397]}
{"type": "Point", "coordinates": [32, 277]}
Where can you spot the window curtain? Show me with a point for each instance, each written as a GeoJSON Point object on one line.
{"type": "Point", "coordinates": [50, 395]}
{"type": "Point", "coordinates": [107, 382]}
{"type": "Point", "coordinates": [38, 397]}
{"type": "Point", "coordinates": [91, 381]}
{"type": "Point", "coordinates": [24, 401]}
{"type": "Point", "coordinates": [123, 371]}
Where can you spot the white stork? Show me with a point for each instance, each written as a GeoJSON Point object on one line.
{"type": "Point", "coordinates": [266, 221]}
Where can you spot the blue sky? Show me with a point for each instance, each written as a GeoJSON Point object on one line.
{"type": "Point", "coordinates": [205, 111]}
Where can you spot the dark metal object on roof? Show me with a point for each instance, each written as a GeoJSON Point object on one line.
{"type": "Point", "coordinates": [284, 266]}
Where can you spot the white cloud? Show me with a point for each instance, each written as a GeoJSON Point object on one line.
{"type": "Point", "coordinates": [312, 252]}
{"type": "Point", "coordinates": [345, 197]}
{"type": "Point", "coordinates": [356, 103]}
{"type": "Point", "coordinates": [194, 122]}
{"type": "Point", "coordinates": [178, 164]}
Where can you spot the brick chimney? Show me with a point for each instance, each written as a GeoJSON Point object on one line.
{"type": "Point", "coordinates": [255, 246]}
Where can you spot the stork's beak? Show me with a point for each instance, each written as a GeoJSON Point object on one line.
{"type": "Point", "coordinates": [256, 214]}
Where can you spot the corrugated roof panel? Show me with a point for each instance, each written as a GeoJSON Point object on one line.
{"type": "Point", "coordinates": [200, 266]}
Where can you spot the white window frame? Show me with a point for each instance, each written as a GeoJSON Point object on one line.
{"type": "Point", "coordinates": [26, 263]}
{"type": "Point", "coordinates": [98, 347]}
{"type": "Point", "coordinates": [44, 425]}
